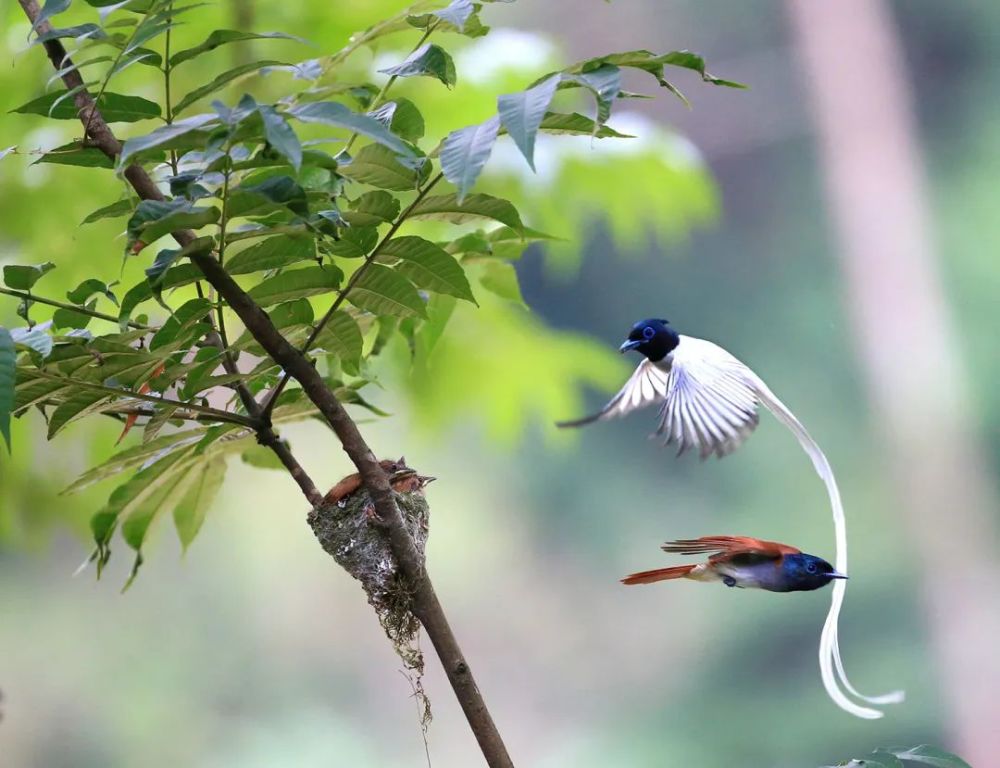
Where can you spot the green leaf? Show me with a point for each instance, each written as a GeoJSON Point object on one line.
{"type": "Point", "coordinates": [296, 284]}
{"type": "Point", "coordinates": [404, 119]}
{"type": "Point", "coordinates": [113, 211]}
{"type": "Point", "coordinates": [147, 488]}
{"type": "Point", "coordinates": [428, 266]}
{"type": "Point", "coordinates": [882, 759]}
{"type": "Point", "coordinates": [182, 274]}
{"type": "Point", "coordinates": [23, 277]}
{"type": "Point", "coordinates": [31, 392]}
{"type": "Point", "coordinates": [166, 258]}
{"type": "Point", "coordinates": [153, 219]}
{"type": "Point", "coordinates": [189, 514]}
{"type": "Point", "coordinates": [86, 31]}
{"type": "Point", "coordinates": [262, 457]}
{"type": "Point", "coordinates": [576, 124]}
{"type": "Point", "coordinates": [604, 82]}
{"type": "Point", "coordinates": [223, 79]}
{"type": "Point", "coordinates": [449, 208]}
{"type": "Point", "coordinates": [76, 154]}
{"type": "Point", "coordinates": [375, 207]}
{"type": "Point", "coordinates": [429, 60]}
{"type": "Point", "coordinates": [280, 135]}
{"type": "Point", "coordinates": [50, 9]}
{"type": "Point", "coordinates": [383, 291]}
{"type": "Point", "coordinates": [164, 137]}
{"type": "Point", "coordinates": [465, 152]}
{"type": "Point", "coordinates": [35, 338]}
{"type": "Point", "coordinates": [693, 61]}
{"type": "Point", "coordinates": [114, 107]}
{"type": "Point", "coordinates": [292, 313]}
{"type": "Point", "coordinates": [927, 755]}
{"type": "Point", "coordinates": [342, 337]}
{"type": "Point", "coordinates": [8, 372]}
{"type": "Point", "coordinates": [456, 13]}
{"type": "Point", "coordinates": [88, 289]}
{"type": "Point", "coordinates": [354, 242]}
{"type": "Point", "coordinates": [500, 278]}
{"type": "Point", "coordinates": [380, 167]}
{"type": "Point", "coordinates": [80, 403]}
{"type": "Point", "coordinates": [521, 114]}
{"type": "Point", "coordinates": [273, 253]}
{"type": "Point", "coordinates": [439, 311]}
{"type": "Point", "coordinates": [339, 116]}
{"type": "Point", "coordinates": [187, 318]}
{"type": "Point", "coordinates": [70, 318]}
{"type": "Point", "coordinates": [161, 415]}
{"type": "Point", "coordinates": [278, 194]}
{"type": "Point", "coordinates": [133, 459]}
{"type": "Point", "coordinates": [224, 37]}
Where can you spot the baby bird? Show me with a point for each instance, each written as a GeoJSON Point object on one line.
{"type": "Point", "coordinates": [740, 561]}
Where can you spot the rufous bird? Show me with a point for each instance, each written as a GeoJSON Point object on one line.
{"type": "Point", "coordinates": [708, 401]}
{"type": "Point", "coordinates": [746, 563]}
{"type": "Point", "coordinates": [402, 479]}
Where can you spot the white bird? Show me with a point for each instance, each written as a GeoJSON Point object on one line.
{"type": "Point", "coordinates": [708, 401]}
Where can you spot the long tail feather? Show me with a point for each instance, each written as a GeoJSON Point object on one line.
{"type": "Point", "coordinates": [659, 574]}
{"type": "Point", "coordinates": [831, 665]}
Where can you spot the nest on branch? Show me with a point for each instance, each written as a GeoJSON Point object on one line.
{"type": "Point", "coordinates": [348, 528]}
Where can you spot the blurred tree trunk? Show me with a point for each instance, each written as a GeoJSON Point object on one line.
{"type": "Point", "coordinates": [861, 103]}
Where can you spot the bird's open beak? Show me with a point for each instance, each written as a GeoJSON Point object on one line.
{"type": "Point", "coordinates": [837, 575]}
{"type": "Point", "coordinates": [628, 345]}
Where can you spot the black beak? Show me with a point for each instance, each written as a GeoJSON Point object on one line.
{"type": "Point", "coordinates": [628, 345]}
{"type": "Point", "coordinates": [837, 575]}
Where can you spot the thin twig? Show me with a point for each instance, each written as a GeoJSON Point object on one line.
{"type": "Point", "coordinates": [75, 308]}
{"type": "Point", "coordinates": [215, 413]}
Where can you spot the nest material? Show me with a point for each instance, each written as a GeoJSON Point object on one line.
{"type": "Point", "coordinates": [348, 530]}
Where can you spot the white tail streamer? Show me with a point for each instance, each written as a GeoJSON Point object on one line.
{"type": "Point", "coordinates": [830, 664]}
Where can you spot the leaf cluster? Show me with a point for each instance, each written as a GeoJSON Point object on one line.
{"type": "Point", "coordinates": [329, 206]}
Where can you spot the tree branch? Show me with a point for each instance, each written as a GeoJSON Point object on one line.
{"type": "Point", "coordinates": [425, 605]}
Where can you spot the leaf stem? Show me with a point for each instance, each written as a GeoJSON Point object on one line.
{"type": "Point", "coordinates": [65, 305]}
{"type": "Point", "coordinates": [272, 398]}
{"type": "Point", "coordinates": [214, 413]}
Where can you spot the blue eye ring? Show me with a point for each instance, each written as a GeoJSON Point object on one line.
{"type": "Point", "coordinates": [648, 332]}
{"type": "Point", "coordinates": [811, 568]}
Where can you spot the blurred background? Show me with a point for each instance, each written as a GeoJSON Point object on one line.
{"type": "Point", "coordinates": [834, 226]}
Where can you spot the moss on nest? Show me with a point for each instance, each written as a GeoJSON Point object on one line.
{"type": "Point", "coordinates": [350, 532]}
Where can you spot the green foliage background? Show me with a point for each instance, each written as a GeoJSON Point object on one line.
{"type": "Point", "coordinates": [254, 651]}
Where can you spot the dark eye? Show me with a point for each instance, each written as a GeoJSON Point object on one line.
{"type": "Point", "coordinates": [811, 568]}
{"type": "Point", "coordinates": [648, 333]}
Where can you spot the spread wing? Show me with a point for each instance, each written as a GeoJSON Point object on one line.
{"type": "Point", "coordinates": [648, 385]}
{"type": "Point", "coordinates": [725, 547]}
{"type": "Point", "coordinates": [711, 404]}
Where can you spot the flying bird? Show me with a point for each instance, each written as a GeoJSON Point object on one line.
{"type": "Point", "coordinates": [708, 401]}
{"type": "Point", "coordinates": [746, 563]}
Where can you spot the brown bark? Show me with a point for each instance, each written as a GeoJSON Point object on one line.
{"type": "Point", "coordinates": [868, 139]}
{"type": "Point", "coordinates": [425, 606]}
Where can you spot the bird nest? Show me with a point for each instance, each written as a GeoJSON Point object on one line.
{"type": "Point", "coordinates": [348, 529]}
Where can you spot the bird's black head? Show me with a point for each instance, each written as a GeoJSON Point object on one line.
{"type": "Point", "coordinates": [654, 338]}
{"type": "Point", "coordinates": [804, 572]}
